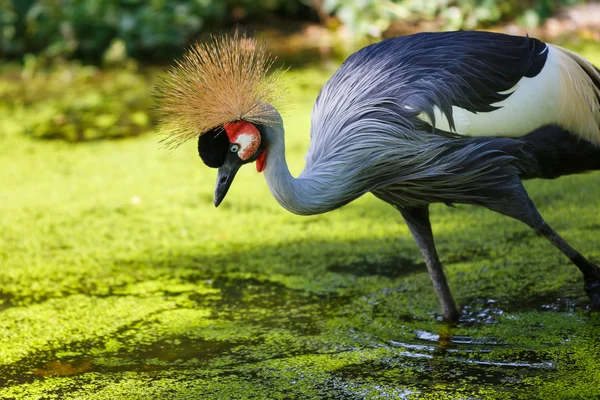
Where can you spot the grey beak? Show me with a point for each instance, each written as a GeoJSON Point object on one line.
{"type": "Point", "coordinates": [225, 176]}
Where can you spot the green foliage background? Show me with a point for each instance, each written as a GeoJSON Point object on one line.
{"type": "Point", "coordinates": [155, 29]}
{"type": "Point", "coordinates": [373, 17]}
{"type": "Point", "coordinates": [102, 93]}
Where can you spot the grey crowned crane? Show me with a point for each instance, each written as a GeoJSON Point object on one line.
{"type": "Point", "coordinates": [453, 117]}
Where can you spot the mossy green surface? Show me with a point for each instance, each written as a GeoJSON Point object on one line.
{"type": "Point", "coordinates": [120, 280]}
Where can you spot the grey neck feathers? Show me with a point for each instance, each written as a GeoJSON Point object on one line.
{"type": "Point", "coordinates": [310, 193]}
{"type": "Point", "coordinates": [404, 167]}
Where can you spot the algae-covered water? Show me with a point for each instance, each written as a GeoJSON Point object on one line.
{"type": "Point", "coordinates": [119, 280]}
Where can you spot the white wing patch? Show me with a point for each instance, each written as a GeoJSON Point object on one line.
{"type": "Point", "coordinates": [562, 94]}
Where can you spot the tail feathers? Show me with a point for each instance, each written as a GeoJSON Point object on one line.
{"type": "Point", "coordinates": [580, 82]}
{"type": "Point", "coordinates": [551, 152]}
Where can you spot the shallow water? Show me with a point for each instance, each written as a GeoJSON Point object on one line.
{"type": "Point", "coordinates": [241, 338]}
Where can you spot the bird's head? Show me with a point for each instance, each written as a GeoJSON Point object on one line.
{"type": "Point", "coordinates": [228, 148]}
{"type": "Point", "coordinates": [222, 92]}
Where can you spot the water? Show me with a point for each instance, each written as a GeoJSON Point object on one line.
{"type": "Point", "coordinates": [251, 336]}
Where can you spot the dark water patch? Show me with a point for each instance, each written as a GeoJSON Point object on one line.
{"type": "Point", "coordinates": [472, 364]}
{"type": "Point", "coordinates": [63, 368]}
{"type": "Point", "coordinates": [477, 351]}
{"type": "Point", "coordinates": [426, 374]}
{"type": "Point", "coordinates": [271, 305]}
{"type": "Point", "coordinates": [488, 311]}
{"type": "Point", "coordinates": [393, 268]}
{"type": "Point", "coordinates": [487, 349]}
{"type": "Point", "coordinates": [447, 341]}
{"type": "Point", "coordinates": [336, 388]}
{"type": "Point", "coordinates": [9, 300]}
{"type": "Point", "coordinates": [480, 312]}
{"type": "Point", "coordinates": [181, 349]}
{"type": "Point", "coordinates": [551, 301]}
{"type": "Point", "coordinates": [547, 365]}
{"type": "Point", "coordinates": [482, 360]}
{"type": "Point", "coordinates": [172, 353]}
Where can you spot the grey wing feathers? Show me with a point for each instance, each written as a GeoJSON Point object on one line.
{"type": "Point", "coordinates": [471, 70]}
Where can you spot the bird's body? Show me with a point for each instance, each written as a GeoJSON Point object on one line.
{"type": "Point", "coordinates": [459, 117]}
{"type": "Point", "coordinates": [402, 111]}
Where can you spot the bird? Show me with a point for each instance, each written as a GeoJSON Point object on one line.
{"type": "Point", "coordinates": [458, 117]}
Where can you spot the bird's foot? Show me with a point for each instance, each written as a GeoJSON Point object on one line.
{"type": "Point", "coordinates": [592, 288]}
{"type": "Point", "coordinates": [451, 314]}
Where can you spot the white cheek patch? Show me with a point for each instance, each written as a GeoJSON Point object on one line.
{"type": "Point", "coordinates": [248, 144]}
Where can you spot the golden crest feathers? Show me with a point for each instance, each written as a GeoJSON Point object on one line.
{"type": "Point", "coordinates": [223, 80]}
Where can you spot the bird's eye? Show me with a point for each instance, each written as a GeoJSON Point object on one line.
{"type": "Point", "coordinates": [234, 148]}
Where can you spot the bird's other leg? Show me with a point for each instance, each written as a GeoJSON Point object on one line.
{"type": "Point", "coordinates": [518, 205]}
{"type": "Point", "coordinates": [417, 219]}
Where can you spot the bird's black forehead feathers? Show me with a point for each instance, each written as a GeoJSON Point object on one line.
{"type": "Point", "coordinates": [213, 147]}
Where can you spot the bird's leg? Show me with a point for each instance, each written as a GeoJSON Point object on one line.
{"type": "Point", "coordinates": [519, 206]}
{"type": "Point", "coordinates": [418, 222]}
{"type": "Point", "coordinates": [591, 272]}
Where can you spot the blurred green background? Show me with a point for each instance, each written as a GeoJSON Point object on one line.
{"type": "Point", "coordinates": [82, 70]}
{"type": "Point", "coordinates": [157, 29]}
{"type": "Point", "coordinates": [119, 279]}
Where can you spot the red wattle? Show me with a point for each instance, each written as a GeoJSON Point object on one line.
{"type": "Point", "coordinates": [261, 161]}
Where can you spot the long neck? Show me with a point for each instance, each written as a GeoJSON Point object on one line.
{"type": "Point", "coordinates": [306, 195]}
